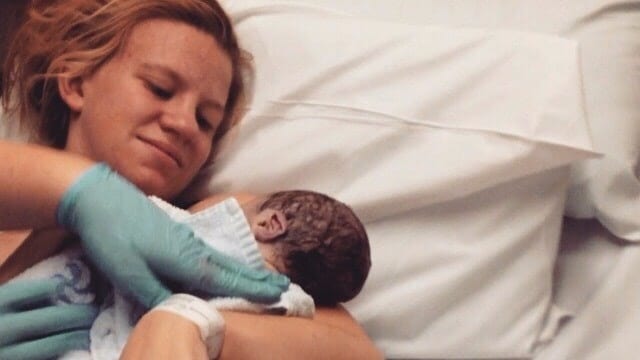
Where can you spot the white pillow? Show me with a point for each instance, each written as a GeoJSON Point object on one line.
{"type": "Point", "coordinates": [452, 145]}
{"type": "Point", "coordinates": [468, 278]}
{"type": "Point", "coordinates": [607, 188]}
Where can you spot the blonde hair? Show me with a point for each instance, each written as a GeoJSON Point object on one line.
{"type": "Point", "coordinates": [73, 38]}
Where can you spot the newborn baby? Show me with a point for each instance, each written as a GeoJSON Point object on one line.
{"type": "Point", "coordinates": [317, 241]}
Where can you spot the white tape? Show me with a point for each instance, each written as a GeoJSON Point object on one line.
{"type": "Point", "coordinates": [205, 316]}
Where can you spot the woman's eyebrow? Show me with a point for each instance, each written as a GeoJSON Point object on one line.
{"type": "Point", "coordinates": [175, 77]}
{"type": "Point", "coordinates": [165, 70]}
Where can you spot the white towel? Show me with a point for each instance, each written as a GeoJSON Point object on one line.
{"type": "Point", "coordinates": [293, 302]}
{"type": "Point", "coordinates": [69, 265]}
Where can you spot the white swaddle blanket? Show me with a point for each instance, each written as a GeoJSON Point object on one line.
{"type": "Point", "coordinates": [118, 316]}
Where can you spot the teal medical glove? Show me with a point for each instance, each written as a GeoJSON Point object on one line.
{"type": "Point", "coordinates": [33, 327]}
{"type": "Point", "coordinates": [137, 246]}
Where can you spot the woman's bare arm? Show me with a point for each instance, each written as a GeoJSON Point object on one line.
{"type": "Point", "coordinates": [32, 182]}
{"type": "Point", "coordinates": [332, 334]}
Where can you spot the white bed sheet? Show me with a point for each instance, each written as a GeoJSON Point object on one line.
{"type": "Point", "coordinates": [598, 278]}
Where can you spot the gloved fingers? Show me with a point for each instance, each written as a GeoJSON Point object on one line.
{"type": "Point", "coordinates": [25, 293]}
{"type": "Point", "coordinates": [236, 284]}
{"type": "Point", "coordinates": [47, 348]}
{"type": "Point", "coordinates": [233, 266]}
{"type": "Point", "coordinates": [193, 253]}
{"type": "Point", "coordinates": [38, 323]}
{"type": "Point", "coordinates": [142, 285]}
{"type": "Point", "coordinates": [218, 274]}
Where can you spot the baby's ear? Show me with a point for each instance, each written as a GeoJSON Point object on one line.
{"type": "Point", "coordinates": [70, 89]}
{"type": "Point", "coordinates": [268, 224]}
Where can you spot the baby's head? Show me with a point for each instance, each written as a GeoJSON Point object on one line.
{"type": "Point", "coordinates": [314, 239]}
{"type": "Point", "coordinates": [324, 247]}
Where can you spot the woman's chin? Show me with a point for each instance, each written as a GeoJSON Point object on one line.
{"type": "Point", "coordinates": [152, 183]}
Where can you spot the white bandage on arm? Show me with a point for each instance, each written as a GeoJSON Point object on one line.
{"type": "Point", "coordinates": [204, 315]}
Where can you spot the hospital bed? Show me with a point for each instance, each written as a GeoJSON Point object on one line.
{"type": "Point", "coordinates": [491, 148]}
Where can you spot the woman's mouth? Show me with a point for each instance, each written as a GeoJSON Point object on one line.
{"type": "Point", "coordinates": [164, 149]}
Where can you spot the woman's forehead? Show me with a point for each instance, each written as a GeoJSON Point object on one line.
{"type": "Point", "coordinates": [180, 50]}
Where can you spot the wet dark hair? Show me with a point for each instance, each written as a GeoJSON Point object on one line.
{"type": "Point", "coordinates": [325, 249]}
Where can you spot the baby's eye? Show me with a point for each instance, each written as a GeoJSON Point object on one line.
{"type": "Point", "coordinates": [159, 91]}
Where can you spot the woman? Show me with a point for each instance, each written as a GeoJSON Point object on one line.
{"type": "Point", "coordinates": [146, 87]}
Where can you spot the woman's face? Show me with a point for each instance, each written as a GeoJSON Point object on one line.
{"type": "Point", "coordinates": [151, 112]}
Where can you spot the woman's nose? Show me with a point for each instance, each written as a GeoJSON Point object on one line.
{"type": "Point", "coordinates": [180, 119]}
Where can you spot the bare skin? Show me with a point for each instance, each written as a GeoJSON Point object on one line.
{"type": "Point", "coordinates": [28, 248]}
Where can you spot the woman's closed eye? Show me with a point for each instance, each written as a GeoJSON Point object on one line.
{"type": "Point", "coordinates": [204, 123]}
{"type": "Point", "coordinates": [159, 91]}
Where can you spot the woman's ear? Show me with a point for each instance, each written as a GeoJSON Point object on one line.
{"type": "Point", "coordinates": [70, 89]}
{"type": "Point", "coordinates": [268, 224]}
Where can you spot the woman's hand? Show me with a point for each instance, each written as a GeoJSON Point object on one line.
{"type": "Point", "coordinates": [33, 327]}
{"type": "Point", "coordinates": [135, 244]}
